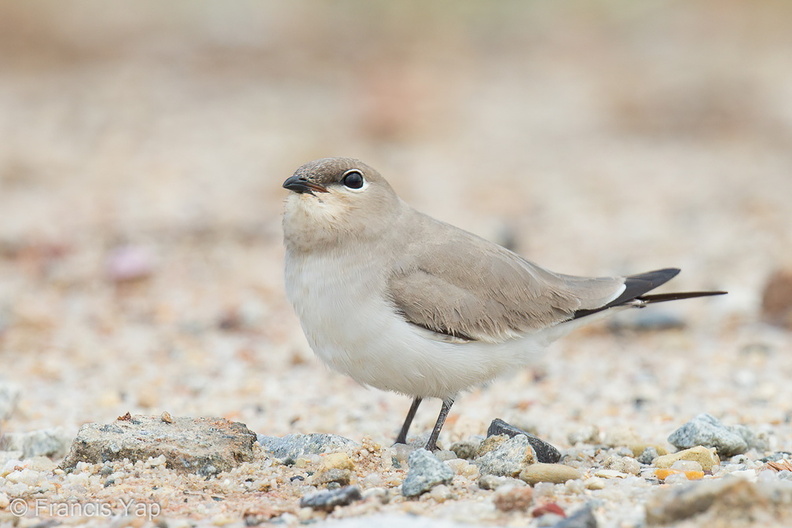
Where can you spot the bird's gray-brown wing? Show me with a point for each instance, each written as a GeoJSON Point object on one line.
{"type": "Point", "coordinates": [454, 283]}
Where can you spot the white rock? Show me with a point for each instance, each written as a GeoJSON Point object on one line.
{"type": "Point", "coordinates": [686, 465]}
{"type": "Point", "coordinates": [610, 474]}
{"type": "Point", "coordinates": [675, 478]}
{"type": "Point", "coordinates": [594, 483]}
{"type": "Point", "coordinates": [24, 476]}
{"type": "Point", "coordinates": [441, 493]}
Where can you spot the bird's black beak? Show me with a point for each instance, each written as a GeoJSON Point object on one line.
{"type": "Point", "coordinates": [301, 185]}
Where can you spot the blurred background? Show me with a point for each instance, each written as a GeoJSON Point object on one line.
{"type": "Point", "coordinates": [143, 146]}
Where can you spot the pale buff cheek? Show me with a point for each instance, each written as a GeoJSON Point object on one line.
{"type": "Point", "coordinates": [311, 220]}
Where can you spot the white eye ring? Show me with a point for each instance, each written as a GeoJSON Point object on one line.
{"type": "Point", "coordinates": [355, 177]}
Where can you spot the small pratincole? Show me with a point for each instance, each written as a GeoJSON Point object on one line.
{"type": "Point", "coordinates": [402, 302]}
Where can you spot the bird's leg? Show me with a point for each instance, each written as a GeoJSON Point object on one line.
{"type": "Point", "coordinates": [431, 445]}
{"type": "Point", "coordinates": [402, 438]}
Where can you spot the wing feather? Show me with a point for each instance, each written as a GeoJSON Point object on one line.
{"type": "Point", "coordinates": [455, 283]}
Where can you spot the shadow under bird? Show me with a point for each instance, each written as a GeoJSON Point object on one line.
{"type": "Point", "coordinates": [402, 302]}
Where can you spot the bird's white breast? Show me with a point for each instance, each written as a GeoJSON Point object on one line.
{"type": "Point", "coordinates": [341, 301]}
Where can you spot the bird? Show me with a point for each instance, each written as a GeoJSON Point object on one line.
{"type": "Point", "coordinates": [402, 302]}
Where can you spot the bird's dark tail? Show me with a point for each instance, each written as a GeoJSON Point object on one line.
{"type": "Point", "coordinates": [636, 287]}
{"type": "Point", "coordinates": [663, 297]}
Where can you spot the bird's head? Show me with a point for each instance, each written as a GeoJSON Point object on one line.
{"type": "Point", "coordinates": [335, 200]}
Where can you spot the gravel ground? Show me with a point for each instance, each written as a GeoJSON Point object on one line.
{"type": "Point", "coordinates": [141, 254]}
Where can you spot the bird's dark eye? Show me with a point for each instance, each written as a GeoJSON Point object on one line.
{"type": "Point", "coordinates": [353, 179]}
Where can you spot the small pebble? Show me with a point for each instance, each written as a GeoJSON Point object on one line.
{"type": "Point", "coordinates": [687, 465]}
{"type": "Point", "coordinates": [372, 480]}
{"type": "Point", "coordinates": [594, 483]}
{"type": "Point", "coordinates": [513, 498]}
{"type": "Point", "coordinates": [382, 495]}
{"type": "Point", "coordinates": [574, 486]}
{"type": "Point", "coordinates": [648, 455]}
{"type": "Point", "coordinates": [637, 449]}
{"type": "Point", "coordinates": [493, 482]}
{"type": "Point", "coordinates": [675, 477]}
{"type": "Point", "coordinates": [441, 493]}
{"type": "Point", "coordinates": [336, 461]}
{"type": "Point", "coordinates": [706, 458]}
{"type": "Point", "coordinates": [543, 450]}
{"type": "Point", "coordinates": [464, 468]}
{"type": "Point", "coordinates": [341, 477]}
{"type": "Point", "coordinates": [548, 508]}
{"type": "Point", "coordinates": [545, 490]}
{"type": "Point", "coordinates": [556, 473]}
{"type": "Point", "coordinates": [466, 449]}
{"type": "Point", "coordinates": [623, 464]}
{"type": "Point", "coordinates": [508, 458]}
{"type": "Point", "coordinates": [329, 500]}
{"type": "Point", "coordinates": [610, 474]}
{"type": "Point", "coordinates": [426, 471]}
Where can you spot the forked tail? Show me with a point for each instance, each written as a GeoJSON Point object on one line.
{"type": "Point", "coordinates": [636, 287]}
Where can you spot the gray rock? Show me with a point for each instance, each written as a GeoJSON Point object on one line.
{"type": "Point", "coordinates": [341, 477]}
{"type": "Point", "coordinates": [53, 443]}
{"type": "Point", "coordinates": [291, 447]}
{"type": "Point", "coordinates": [706, 430]}
{"type": "Point", "coordinates": [206, 446]}
{"type": "Point", "coordinates": [508, 458]}
{"type": "Point", "coordinates": [466, 449]}
{"type": "Point", "coordinates": [778, 455]}
{"type": "Point", "coordinates": [331, 499]}
{"type": "Point", "coordinates": [544, 451]}
{"type": "Point", "coordinates": [583, 518]}
{"type": "Point", "coordinates": [426, 471]}
{"type": "Point", "coordinates": [648, 455]}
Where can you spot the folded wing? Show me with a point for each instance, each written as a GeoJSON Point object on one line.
{"type": "Point", "coordinates": [466, 287]}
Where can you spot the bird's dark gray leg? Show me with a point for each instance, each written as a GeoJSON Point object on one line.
{"type": "Point", "coordinates": [431, 445]}
{"type": "Point", "coordinates": [402, 438]}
